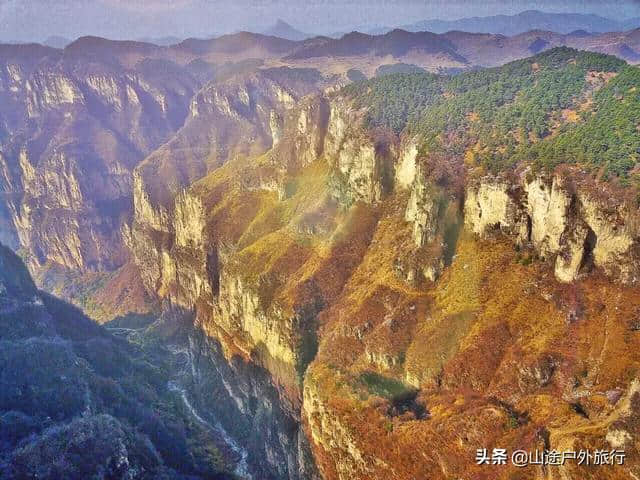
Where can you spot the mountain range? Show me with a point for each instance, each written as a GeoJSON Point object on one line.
{"type": "Point", "coordinates": [525, 21]}
{"type": "Point", "coordinates": [361, 258]}
{"type": "Point", "coordinates": [507, 25]}
{"type": "Point", "coordinates": [97, 108]}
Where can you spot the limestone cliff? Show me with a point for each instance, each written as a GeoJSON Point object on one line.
{"type": "Point", "coordinates": [226, 121]}
{"type": "Point", "coordinates": [564, 219]}
{"type": "Point", "coordinates": [362, 163]}
{"type": "Point", "coordinates": [72, 132]}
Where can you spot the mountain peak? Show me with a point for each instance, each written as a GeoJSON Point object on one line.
{"type": "Point", "coordinates": [280, 23]}
{"type": "Point", "coordinates": [284, 30]}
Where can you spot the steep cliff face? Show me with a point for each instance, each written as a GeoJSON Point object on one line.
{"type": "Point", "coordinates": [564, 219]}
{"type": "Point", "coordinates": [73, 130]}
{"type": "Point", "coordinates": [194, 247]}
{"type": "Point", "coordinates": [238, 118]}
{"type": "Point", "coordinates": [232, 248]}
{"type": "Point", "coordinates": [227, 246]}
{"type": "Point", "coordinates": [362, 163]}
{"type": "Point", "coordinates": [244, 398]}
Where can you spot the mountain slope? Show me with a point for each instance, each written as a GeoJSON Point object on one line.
{"type": "Point", "coordinates": [416, 263]}
{"type": "Point", "coordinates": [493, 50]}
{"type": "Point", "coordinates": [395, 43]}
{"type": "Point", "coordinates": [77, 402]}
{"type": "Point", "coordinates": [74, 125]}
{"type": "Point", "coordinates": [237, 43]}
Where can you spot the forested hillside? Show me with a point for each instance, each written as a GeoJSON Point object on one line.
{"type": "Point", "coordinates": [559, 106]}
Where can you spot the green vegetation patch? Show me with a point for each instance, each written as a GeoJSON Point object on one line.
{"type": "Point", "coordinates": [561, 106]}
{"type": "Point", "coordinates": [385, 387]}
{"type": "Point", "coordinates": [398, 68]}
{"type": "Point", "coordinates": [391, 100]}
{"type": "Point", "coordinates": [606, 137]}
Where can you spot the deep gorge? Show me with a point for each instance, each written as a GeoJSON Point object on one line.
{"type": "Point", "coordinates": [359, 291]}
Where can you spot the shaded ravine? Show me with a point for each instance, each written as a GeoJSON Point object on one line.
{"type": "Point", "coordinates": [242, 467]}
{"type": "Point", "coordinates": [239, 455]}
{"type": "Point", "coordinates": [231, 450]}
{"type": "Point", "coordinates": [239, 400]}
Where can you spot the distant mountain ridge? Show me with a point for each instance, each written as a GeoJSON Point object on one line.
{"type": "Point", "coordinates": [396, 43]}
{"type": "Point", "coordinates": [458, 48]}
{"type": "Point", "coordinates": [525, 21]}
{"type": "Point", "coordinates": [508, 25]}
{"type": "Point", "coordinates": [237, 42]}
{"type": "Point", "coordinates": [161, 41]}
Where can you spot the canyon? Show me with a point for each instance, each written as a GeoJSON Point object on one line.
{"type": "Point", "coordinates": [355, 303]}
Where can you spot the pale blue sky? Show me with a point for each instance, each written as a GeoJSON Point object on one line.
{"type": "Point", "coordinates": [37, 19]}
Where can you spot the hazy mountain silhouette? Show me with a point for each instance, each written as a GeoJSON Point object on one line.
{"type": "Point", "coordinates": [525, 21]}
{"type": "Point", "coordinates": [282, 29]}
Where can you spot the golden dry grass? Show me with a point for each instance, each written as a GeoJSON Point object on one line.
{"type": "Point", "coordinates": [491, 325]}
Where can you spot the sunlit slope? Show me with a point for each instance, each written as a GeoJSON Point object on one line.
{"type": "Point", "coordinates": [427, 265]}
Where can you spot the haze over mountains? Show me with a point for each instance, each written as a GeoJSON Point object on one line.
{"type": "Point", "coordinates": [485, 41]}
{"type": "Point", "coordinates": [528, 20]}
{"type": "Point", "coordinates": [508, 25]}
{"type": "Point", "coordinates": [318, 258]}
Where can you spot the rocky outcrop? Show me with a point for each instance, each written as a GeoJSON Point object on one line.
{"type": "Point", "coordinates": [563, 220]}
{"type": "Point", "coordinates": [332, 437]}
{"type": "Point", "coordinates": [613, 236]}
{"type": "Point", "coordinates": [72, 132]}
{"type": "Point", "coordinates": [362, 165]}
{"type": "Point", "coordinates": [239, 117]}
{"type": "Point", "coordinates": [549, 207]}
{"type": "Point", "coordinates": [423, 211]}
{"type": "Point", "coordinates": [494, 205]}
{"type": "Point", "coordinates": [79, 237]}
{"type": "Point", "coordinates": [242, 312]}
{"type": "Point", "coordinates": [407, 164]}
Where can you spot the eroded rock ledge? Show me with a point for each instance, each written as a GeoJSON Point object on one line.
{"type": "Point", "coordinates": [566, 221]}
